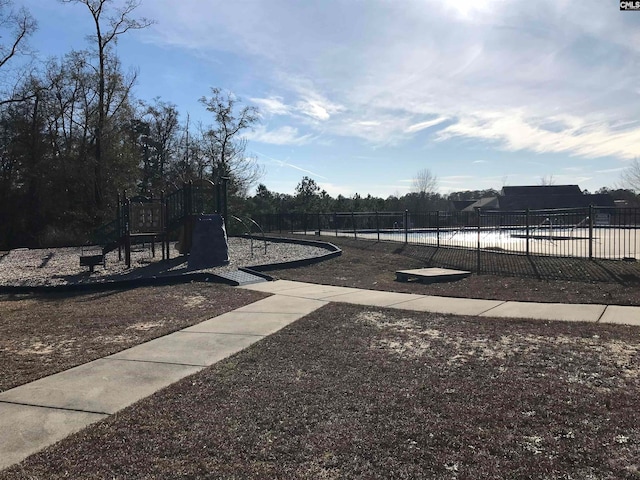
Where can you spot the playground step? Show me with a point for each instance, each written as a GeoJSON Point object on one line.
{"type": "Point", "coordinates": [242, 278]}
{"type": "Point", "coordinates": [431, 275]}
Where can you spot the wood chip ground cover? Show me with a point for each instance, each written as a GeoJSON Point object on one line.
{"type": "Point", "coordinates": [358, 392]}
{"type": "Point", "coordinates": [48, 333]}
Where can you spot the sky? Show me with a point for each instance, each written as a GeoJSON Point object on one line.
{"type": "Point", "coordinates": [361, 95]}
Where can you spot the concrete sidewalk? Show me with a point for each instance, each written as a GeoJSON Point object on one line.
{"type": "Point", "coordinates": [38, 414]}
{"type": "Point", "coordinates": [455, 306]}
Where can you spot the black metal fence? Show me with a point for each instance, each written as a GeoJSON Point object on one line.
{"type": "Point", "coordinates": [593, 232]}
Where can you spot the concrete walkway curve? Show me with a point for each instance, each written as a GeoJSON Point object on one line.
{"type": "Point", "coordinates": [38, 414]}
{"type": "Point", "coordinates": [456, 306]}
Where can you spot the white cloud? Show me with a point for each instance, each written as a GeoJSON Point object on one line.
{"type": "Point", "coordinates": [285, 135]}
{"type": "Point", "coordinates": [335, 190]}
{"type": "Point", "coordinates": [511, 130]}
{"type": "Point", "coordinates": [271, 106]}
{"type": "Point", "coordinates": [416, 127]}
{"type": "Point", "coordinates": [612, 170]}
{"type": "Point", "coordinates": [288, 164]}
{"type": "Point", "coordinates": [313, 109]}
{"type": "Point", "coordinates": [546, 76]}
{"type": "Point", "coordinates": [316, 106]}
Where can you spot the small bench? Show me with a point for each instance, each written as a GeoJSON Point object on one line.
{"type": "Point", "coordinates": [431, 275]}
{"type": "Point", "coordinates": [91, 261]}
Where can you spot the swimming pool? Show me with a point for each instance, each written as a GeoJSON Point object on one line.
{"type": "Point", "coordinates": [599, 242]}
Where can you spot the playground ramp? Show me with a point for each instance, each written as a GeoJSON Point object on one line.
{"type": "Point", "coordinates": [242, 277]}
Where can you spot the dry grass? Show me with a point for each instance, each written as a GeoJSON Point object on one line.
{"type": "Point", "coordinates": [48, 333]}
{"type": "Point", "coordinates": [357, 392]}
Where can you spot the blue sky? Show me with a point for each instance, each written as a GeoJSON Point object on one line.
{"type": "Point", "coordinates": [362, 94]}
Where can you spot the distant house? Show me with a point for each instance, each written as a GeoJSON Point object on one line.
{"type": "Point", "coordinates": [487, 203]}
{"type": "Point", "coordinates": [460, 205]}
{"type": "Point", "coordinates": [541, 197]}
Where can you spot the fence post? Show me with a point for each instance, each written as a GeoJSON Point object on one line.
{"type": "Point", "coordinates": [186, 204]}
{"type": "Point", "coordinates": [319, 229]}
{"type": "Point", "coordinates": [225, 199]}
{"type": "Point", "coordinates": [127, 234]}
{"type": "Point", "coordinates": [163, 228]}
{"type": "Point", "coordinates": [166, 225]}
{"type": "Point", "coordinates": [438, 227]}
{"type": "Point", "coordinates": [406, 226]}
{"type": "Point", "coordinates": [590, 232]}
{"type": "Point", "coordinates": [378, 224]}
{"type": "Point", "coordinates": [527, 230]}
{"type": "Point", "coordinates": [478, 265]}
{"type": "Point", "coordinates": [119, 227]}
{"type": "Point", "coordinates": [353, 222]}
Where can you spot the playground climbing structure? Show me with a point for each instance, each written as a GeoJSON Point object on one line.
{"type": "Point", "coordinates": [146, 219]}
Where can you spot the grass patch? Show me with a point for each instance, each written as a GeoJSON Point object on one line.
{"type": "Point", "coordinates": [43, 334]}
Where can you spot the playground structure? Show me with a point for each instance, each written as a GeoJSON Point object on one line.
{"type": "Point", "coordinates": [146, 219]}
{"type": "Point", "coordinates": [248, 224]}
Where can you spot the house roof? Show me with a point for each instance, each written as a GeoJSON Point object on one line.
{"type": "Point", "coordinates": [487, 202]}
{"type": "Point", "coordinates": [462, 204]}
{"type": "Point", "coordinates": [541, 197]}
{"type": "Point", "coordinates": [538, 197]}
{"type": "Point", "coordinates": [541, 190]}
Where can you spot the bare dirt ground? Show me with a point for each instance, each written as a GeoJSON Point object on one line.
{"type": "Point", "coordinates": [357, 392]}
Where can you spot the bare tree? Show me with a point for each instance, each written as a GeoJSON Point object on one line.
{"type": "Point", "coordinates": [225, 145]}
{"type": "Point", "coordinates": [107, 33]}
{"type": "Point", "coordinates": [17, 25]}
{"type": "Point", "coordinates": [547, 180]}
{"type": "Point", "coordinates": [424, 182]}
{"type": "Point", "coordinates": [630, 177]}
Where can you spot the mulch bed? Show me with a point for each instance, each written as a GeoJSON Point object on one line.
{"type": "Point", "coordinates": [372, 265]}
{"type": "Point", "coordinates": [358, 392]}
{"type": "Point", "coordinates": [44, 334]}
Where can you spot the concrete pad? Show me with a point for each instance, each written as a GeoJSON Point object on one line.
{"type": "Point", "coordinates": [26, 429]}
{"type": "Point", "coordinates": [623, 315]}
{"type": "Point", "coordinates": [283, 304]}
{"type": "Point", "coordinates": [245, 323]}
{"type": "Point", "coordinates": [101, 386]}
{"type": "Point", "coordinates": [188, 348]}
{"type": "Point", "coordinates": [431, 275]}
{"type": "Point", "coordinates": [275, 286]}
{"type": "Point", "coordinates": [373, 298]}
{"type": "Point", "coordinates": [318, 292]}
{"type": "Point", "coordinates": [449, 305]}
{"type": "Point", "coordinates": [548, 311]}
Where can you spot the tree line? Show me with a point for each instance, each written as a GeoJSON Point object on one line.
{"type": "Point", "coordinates": [309, 197]}
{"type": "Point", "coordinates": [73, 135]}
